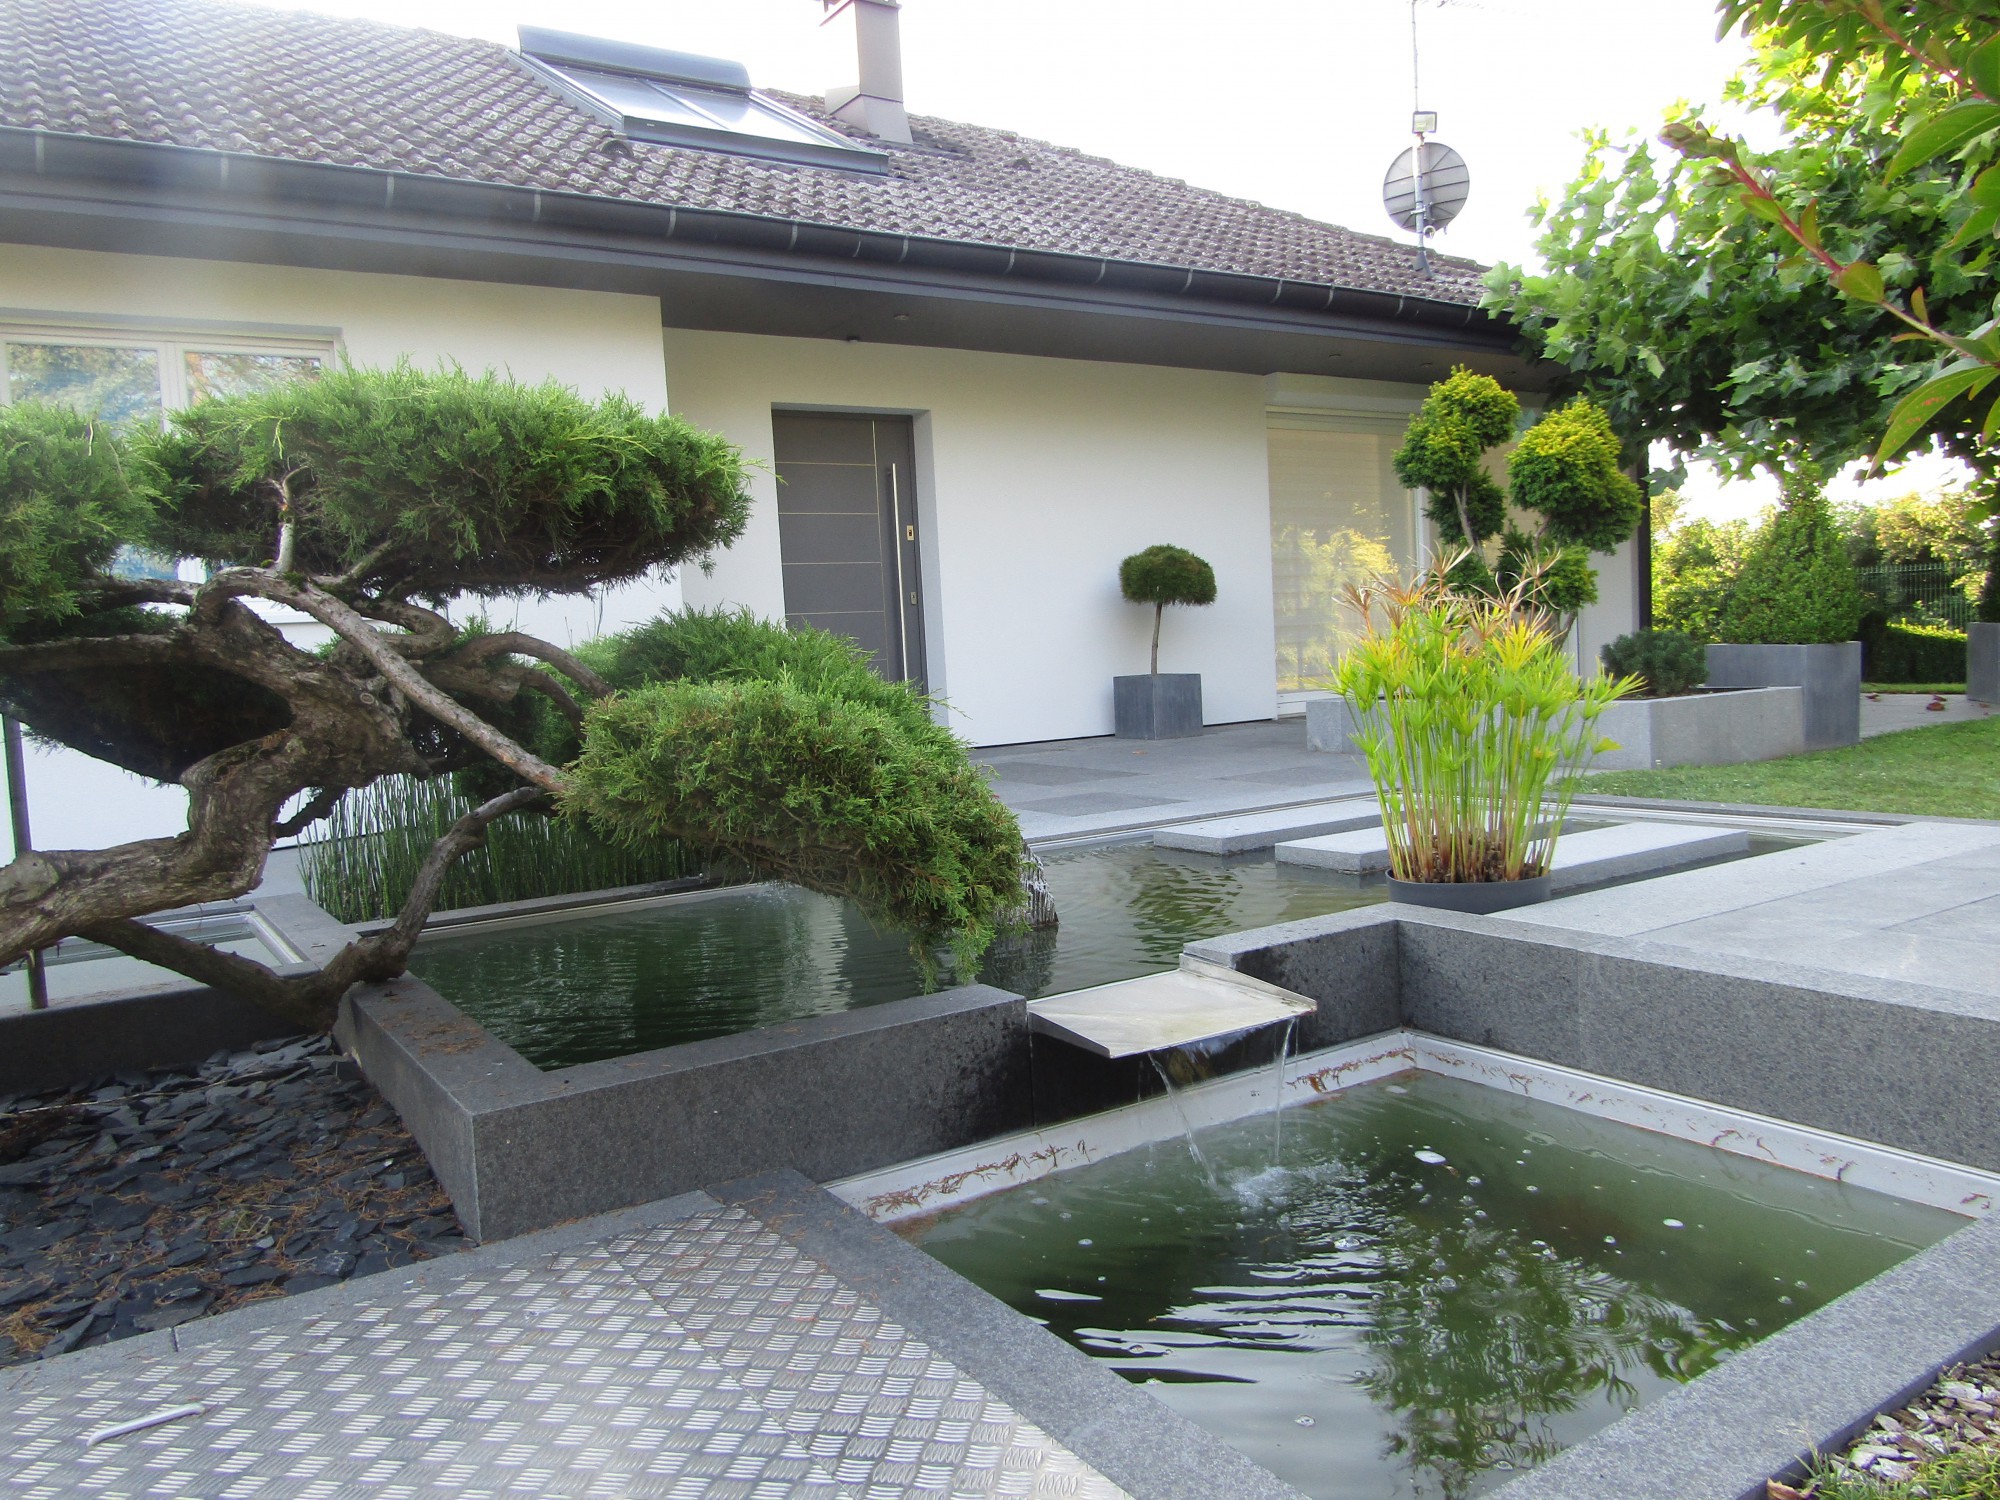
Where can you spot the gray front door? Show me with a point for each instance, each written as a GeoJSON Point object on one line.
{"type": "Point", "coordinates": [847, 533]}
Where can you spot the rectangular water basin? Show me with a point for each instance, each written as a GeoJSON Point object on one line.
{"type": "Point", "coordinates": [588, 987]}
{"type": "Point", "coordinates": [1418, 1285]}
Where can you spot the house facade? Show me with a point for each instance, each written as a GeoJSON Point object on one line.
{"type": "Point", "coordinates": [974, 370]}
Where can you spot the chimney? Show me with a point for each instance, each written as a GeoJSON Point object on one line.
{"type": "Point", "coordinates": [875, 104]}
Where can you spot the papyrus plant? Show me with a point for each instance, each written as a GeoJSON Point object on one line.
{"type": "Point", "coordinates": [1473, 722]}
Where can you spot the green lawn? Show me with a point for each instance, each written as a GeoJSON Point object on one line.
{"type": "Point", "coordinates": [1912, 687]}
{"type": "Point", "coordinates": [1946, 770]}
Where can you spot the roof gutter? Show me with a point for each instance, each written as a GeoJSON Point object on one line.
{"type": "Point", "coordinates": [153, 169]}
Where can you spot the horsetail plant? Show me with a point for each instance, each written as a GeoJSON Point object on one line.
{"type": "Point", "coordinates": [1473, 722]}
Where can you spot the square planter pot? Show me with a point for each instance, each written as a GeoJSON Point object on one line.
{"type": "Point", "coordinates": [1330, 726]}
{"type": "Point", "coordinates": [1982, 663]}
{"type": "Point", "coordinates": [1163, 706]}
{"type": "Point", "coordinates": [1702, 729]}
{"type": "Point", "coordinates": [1829, 674]}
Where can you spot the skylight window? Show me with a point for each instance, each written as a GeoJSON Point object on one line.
{"type": "Point", "coordinates": [677, 99]}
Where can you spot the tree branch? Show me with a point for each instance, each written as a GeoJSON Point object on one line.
{"type": "Point", "coordinates": [298, 1000]}
{"type": "Point", "coordinates": [323, 802]}
{"type": "Point", "coordinates": [312, 1001]}
{"type": "Point", "coordinates": [514, 643]}
{"type": "Point", "coordinates": [94, 651]}
{"type": "Point", "coordinates": [353, 628]}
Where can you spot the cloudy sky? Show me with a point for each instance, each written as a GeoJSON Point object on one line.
{"type": "Point", "coordinates": [1297, 103]}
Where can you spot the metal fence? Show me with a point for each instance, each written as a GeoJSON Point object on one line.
{"type": "Point", "coordinates": [1925, 591]}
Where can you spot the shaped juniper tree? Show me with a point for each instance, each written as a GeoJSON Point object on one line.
{"type": "Point", "coordinates": [1163, 575]}
{"type": "Point", "coordinates": [366, 500]}
{"type": "Point", "coordinates": [1563, 478]}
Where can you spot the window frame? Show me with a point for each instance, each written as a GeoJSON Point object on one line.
{"type": "Point", "coordinates": [171, 343]}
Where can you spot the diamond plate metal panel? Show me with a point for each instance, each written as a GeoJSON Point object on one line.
{"type": "Point", "coordinates": [705, 1359]}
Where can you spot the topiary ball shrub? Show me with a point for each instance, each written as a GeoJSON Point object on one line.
{"type": "Point", "coordinates": [1164, 575]}
{"type": "Point", "coordinates": [1668, 662]}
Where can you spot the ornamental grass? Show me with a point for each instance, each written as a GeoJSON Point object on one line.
{"type": "Point", "coordinates": [1473, 722]}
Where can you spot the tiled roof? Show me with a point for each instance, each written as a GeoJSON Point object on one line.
{"type": "Point", "coordinates": [312, 88]}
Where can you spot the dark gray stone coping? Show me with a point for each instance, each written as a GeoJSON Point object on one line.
{"type": "Point", "coordinates": [834, 1095]}
{"type": "Point", "coordinates": [1908, 1065]}
{"type": "Point", "coordinates": [1806, 1389]}
{"type": "Point", "coordinates": [1112, 1425]}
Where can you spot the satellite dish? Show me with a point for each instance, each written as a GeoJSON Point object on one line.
{"type": "Point", "coordinates": [1445, 182]}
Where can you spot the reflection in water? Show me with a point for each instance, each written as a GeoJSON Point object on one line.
{"type": "Point", "coordinates": [571, 991]}
{"type": "Point", "coordinates": [1456, 1285]}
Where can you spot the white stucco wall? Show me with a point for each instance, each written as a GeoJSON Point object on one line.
{"type": "Point", "coordinates": [1616, 611]}
{"type": "Point", "coordinates": [595, 341]}
{"type": "Point", "coordinates": [1036, 477]}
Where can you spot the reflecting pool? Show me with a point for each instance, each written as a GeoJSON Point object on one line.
{"type": "Point", "coordinates": [582, 988]}
{"type": "Point", "coordinates": [1438, 1285]}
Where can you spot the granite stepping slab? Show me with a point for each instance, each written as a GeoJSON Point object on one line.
{"type": "Point", "coordinates": [1600, 854]}
{"type": "Point", "coordinates": [1251, 831]}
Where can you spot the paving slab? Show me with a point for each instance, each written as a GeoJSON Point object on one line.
{"type": "Point", "coordinates": [1361, 851]}
{"type": "Point", "coordinates": [1919, 901]}
{"type": "Point", "coordinates": [1105, 785]}
{"type": "Point", "coordinates": [1619, 852]}
{"type": "Point", "coordinates": [1248, 832]}
{"type": "Point", "coordinates": [1625, 850]}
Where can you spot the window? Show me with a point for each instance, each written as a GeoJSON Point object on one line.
{"type": "Point", "coordinates": [1339, 516]}
{"type": "Point", "coordinates": [129, 379]}
{"type": "Point", "coordinates": [675, 99]}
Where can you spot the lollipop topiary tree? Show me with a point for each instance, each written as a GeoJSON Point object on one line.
{"type": "Point", "coordinates": [368, 500]}
{"type": "Point", "coordinates": [1157, 707]}
{"type": "Point", "coordinates": [1165, 575]}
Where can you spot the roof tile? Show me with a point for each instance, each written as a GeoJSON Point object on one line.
{"type": "Point", "coordinates": [312, 88]}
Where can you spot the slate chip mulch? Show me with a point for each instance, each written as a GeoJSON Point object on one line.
{"type": "Point", "coordinates": [1960, 1411]}
{"type": "Point", "coordinates": [145, 1200]}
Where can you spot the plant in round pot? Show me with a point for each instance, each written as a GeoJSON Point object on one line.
{"type": "Point", "coordinates": [1473, 723]}
{"type": "Point", "coordinates": [1160, 706]}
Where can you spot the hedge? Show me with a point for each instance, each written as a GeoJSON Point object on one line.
{"type": "Point", "coordinates": [1897, 651]}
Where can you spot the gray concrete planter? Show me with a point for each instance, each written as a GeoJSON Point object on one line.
{"type": "Point", "coordinates": [1330, 726]}
{"type": "Point", "coordinates": [1982, 663]}
{"type": "Point", "coordinates": [1830, 676]}
{"type": "Point", "coordinates": [1156, 705]}
{"type": "Point", "coordinates": [1703, 729]}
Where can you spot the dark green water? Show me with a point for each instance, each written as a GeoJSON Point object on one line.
{"type": "Point", "coordinates": [1369, 1322]}
{"type": "Point", "coordinates": [579, 989]}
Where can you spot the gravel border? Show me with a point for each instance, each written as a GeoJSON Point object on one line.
{"type": "Point", "coordinates": [142, 1201]}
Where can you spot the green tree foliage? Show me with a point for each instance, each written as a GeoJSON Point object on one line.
{"type": "Point", "coordinates": [1743, 310]}
{"type": "Point", "coordinates": [1563, 473]}
{"type": "Point", "coordinates": [365, 500]}
{"type": "Point", "coordinates": [1797, 582]}
{"type": "Point", "coordinates": [1694, 568]}
{"type": "Point", "coordinates": [67, 503]}
{"type": "Point", "coordinates": [1668, 662]}
{"type": "Point", "coordinates": [462, 482]}
{"type": "Point", "coordinates": [1444, 453]}
{"type": "Point", "coordinates": [813, 787]}
{"type": "Point", "coordinates": [1163, 575]}
{"type": "Point", "coordinates": [1565, 469]}
{"type": "Point", "coordinates": [1166, 574]}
